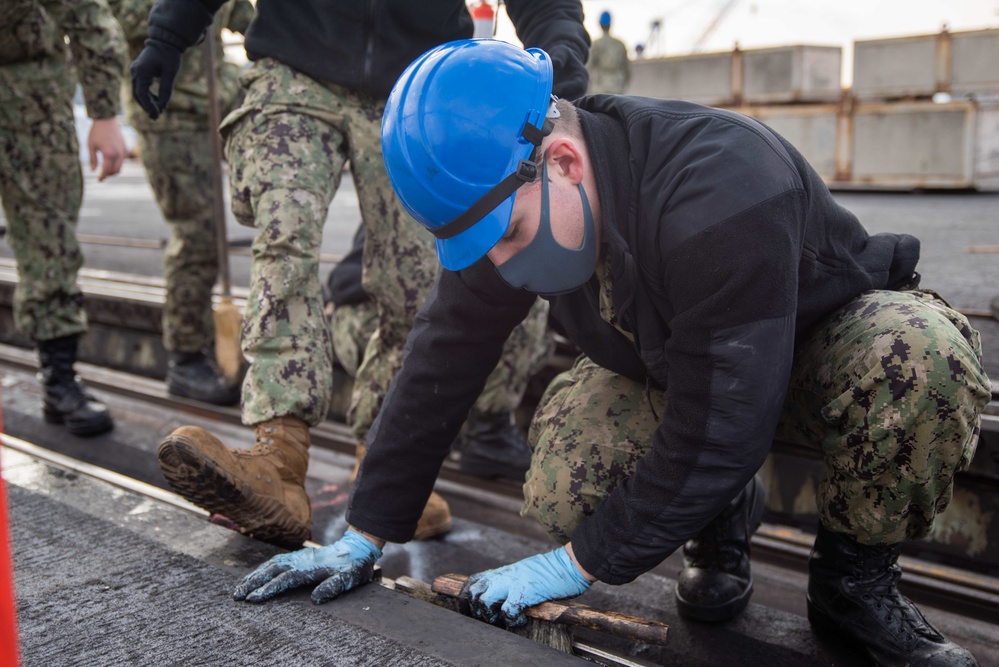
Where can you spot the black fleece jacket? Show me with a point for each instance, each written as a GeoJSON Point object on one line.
{"type": "Point", "coordinates": [725, 247]}
{"type": "Point", "coordinates": [365, 45]}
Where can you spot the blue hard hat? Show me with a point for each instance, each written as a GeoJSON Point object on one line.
{"type": "Point", "coordinates": [605, 20]}
{"type": "Point", "coordinates": [458, 132]}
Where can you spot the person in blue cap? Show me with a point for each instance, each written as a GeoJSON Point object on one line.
{"type": "Point", "coordinates": [721, 299]}
{"type": "Point", "coordinates": [608, 64]}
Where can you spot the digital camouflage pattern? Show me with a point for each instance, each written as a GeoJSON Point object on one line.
{"type": "Point", "coordinates": [41, 183]}
{"type": "Point", "coordinates": [351, 327]}
{"type": "Point", "coordinates": [178, 167]}
{"type": "Point", "coordinates": [287, 146]}
{"type": "Point", "coordinates": [176, 152]}
{"type": "Point", "coordinates": [890, 388]}
{"type": "Point", "coordinates": [525, 352]}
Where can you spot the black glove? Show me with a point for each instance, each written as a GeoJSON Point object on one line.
{"type": "Point", "coordinates": [571, 77]}
{"type": "Point", "coordinates": [158, 60]}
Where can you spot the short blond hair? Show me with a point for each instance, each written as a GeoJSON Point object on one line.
{"type": "Point", "coordinates": [567, 124]}
{"type": "Point", "coordinates": [568, 120]}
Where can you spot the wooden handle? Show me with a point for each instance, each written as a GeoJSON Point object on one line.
{"type": "Point", "coordinates": [568, 612]}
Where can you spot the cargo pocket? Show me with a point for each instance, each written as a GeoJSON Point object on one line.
{"type": "Point", "coordinates": [863, 442]}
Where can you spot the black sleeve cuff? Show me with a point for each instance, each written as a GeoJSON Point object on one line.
{"type": "Point", "coordinates": [180, 23]}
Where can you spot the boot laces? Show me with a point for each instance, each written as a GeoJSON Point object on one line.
{"type": "Point", "coordinates": [880, 585]}
{"type": "Point", "coordinates": [263, 441]}
{"type": "Point", "coordinates": [715, 546]}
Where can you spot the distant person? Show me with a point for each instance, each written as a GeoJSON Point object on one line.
{"type": "Point", "coordinates": [41, 181]}
{"type": "Point", "coordinates": [609, 67]}
{"type": "Point", "coordinates": [176, 151]}
{"type": "Point", "coordinates": [639, 51]}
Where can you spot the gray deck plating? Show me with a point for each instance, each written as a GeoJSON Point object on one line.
{"type": "Point", "coordinates": [107, 577]}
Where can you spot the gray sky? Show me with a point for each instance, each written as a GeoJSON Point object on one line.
{"type": "Point", "coordinates": [765, 23]}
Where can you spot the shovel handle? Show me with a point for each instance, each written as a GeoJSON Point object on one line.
{"type": "Point", "coordinates": [214, 120]}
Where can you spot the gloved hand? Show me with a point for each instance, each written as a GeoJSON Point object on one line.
{"type": "Point", "coordinates": [158, 60]}
{"type": "Point", "coordinates": [507, 591]}
{"type": "Point", "coordinates": [571, 77]}
{"type": "Point", "coordinates": [347, 563]}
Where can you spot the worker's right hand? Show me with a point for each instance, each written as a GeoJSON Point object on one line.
{"type": "Point", "coordinates": [158, 60]}
{"type": "Point", "coordinates": [106, 139]}
{"type": "Point", "coordinates": [347, 563]}
{"type": "Point", "coordinates": [504, 593]}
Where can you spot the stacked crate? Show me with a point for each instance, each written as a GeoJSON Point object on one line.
{"type": "Point", "coordinates": [923, 111]}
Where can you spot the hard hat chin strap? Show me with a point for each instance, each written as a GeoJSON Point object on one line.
{"type": "Point", "coordinates": [526, 172]}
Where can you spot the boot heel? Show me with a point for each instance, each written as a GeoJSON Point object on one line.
{"type": "Point", "coordinates": [825, 627]}
{"type": "Point", "coordinates": [758, 504]}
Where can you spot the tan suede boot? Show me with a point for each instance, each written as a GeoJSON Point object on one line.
{"type": "Point", "coordinates": [261, 490]}
{"type": "Point", "coordinates": [436, 517]}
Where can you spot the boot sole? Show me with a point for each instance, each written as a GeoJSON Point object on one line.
{"type": "Point", "coordinates": [200, 480]}
{"type": "Point", "coordinates": [725, 612]}
{"type": "Point", "coordinates": [53, 417]}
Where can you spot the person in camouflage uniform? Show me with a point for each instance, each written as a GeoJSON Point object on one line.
{"type": "Point", "coordinates": [41, 183]}
{"type": "Point", "coordinates": [721, 298]}
{"type": "Point", "coordinates": [176, 151]}
{"type": "Point", "coordinates": [609, 65]}
{"type": "Point", "coordinates": [314, 100]}
{"type": "Point", "coordinates": [490, 443]}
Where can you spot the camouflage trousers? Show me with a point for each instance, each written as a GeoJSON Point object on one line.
{"type": "Point", "coordinates": [178, 165]}
{"type": "Point", "coordinates": [525, 353]}
{"type": "Point", "coordinates": [41, 186]}
{"type": "Point", "coordinates": [889, 388]}
{"type": "Point", "coordinates": [286, 147]}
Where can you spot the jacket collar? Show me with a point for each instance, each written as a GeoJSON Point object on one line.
{"type": "Point", "coordinates": [610, 159]}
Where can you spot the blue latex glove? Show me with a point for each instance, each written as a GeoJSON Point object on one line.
{"type": "Point", "coordinates": [347, 563]}
{"type": "Point", "coordinates": [504, 593]}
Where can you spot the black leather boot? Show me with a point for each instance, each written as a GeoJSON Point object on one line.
{"type": "Point", "coordinates": [195, 375]}
{"type": "Point", "coordinates": [853, 597]}
{"type": "Point", "coordinates": [492, 446]}
{"type": "Point", "coordinates": [715, 583]}
{"type": "Point", "coordinates": [67, 400]}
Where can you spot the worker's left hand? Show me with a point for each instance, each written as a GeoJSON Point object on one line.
{"type": "Point", "coordinates": [341, 566]}
{"type": "Point", "coordinates": [504, 593]}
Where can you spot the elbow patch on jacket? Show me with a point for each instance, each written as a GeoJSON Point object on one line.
{"type": "Point", "coordinates": [749, 381]}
